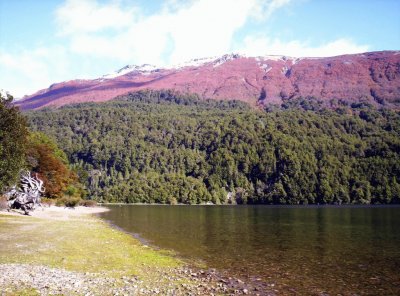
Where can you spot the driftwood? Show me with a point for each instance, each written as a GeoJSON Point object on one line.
{"type": "Point", "coordinates": [27, 197]}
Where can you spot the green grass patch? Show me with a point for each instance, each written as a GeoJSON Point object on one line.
{"type": "Point", "coordinates": [85, 245]}
{"type": "Point", "coordinates": [20, 291]}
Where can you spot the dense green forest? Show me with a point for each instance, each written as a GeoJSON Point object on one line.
{"type": "Point", "coordinates": [165, 147]}
{"type": "Point", "coordinates": [22, 149]}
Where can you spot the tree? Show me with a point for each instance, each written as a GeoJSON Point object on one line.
{"type": "Point", "coordinates": [13, 137]}
{"type": "Point", "coordinates": [51, 163]}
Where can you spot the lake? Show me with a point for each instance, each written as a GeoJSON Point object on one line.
{"type": "Point", "coordinates": [306, 250]}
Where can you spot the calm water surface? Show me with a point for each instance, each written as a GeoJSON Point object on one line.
{"type": "Point", "coordinates": [302, 250]}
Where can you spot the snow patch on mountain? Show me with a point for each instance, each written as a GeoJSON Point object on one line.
{"type": "Point", "coordinates": [275, 58]}
{"type": "Point", "coordinates": [225, 58]}
{"type": "Point", "coordinates": [285, 70]}
{"type": "Point", "coordinates": [194, 63]}
{"type": "Point", "coordinates": [296, 60]}
{"type": "Point", "coordinates": [143, 69]}
{"type": "Point", "coordinates": [265, 67]}
{"type": "Point", "coordinates": [215, 61]}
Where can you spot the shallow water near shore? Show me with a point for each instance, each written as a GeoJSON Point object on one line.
{"type": "Point", "coordinates": [306, 250]}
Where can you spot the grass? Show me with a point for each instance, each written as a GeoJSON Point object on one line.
{"type": "Point", "coordinates": [85, 245]}
{"type": "Point", "coordinates": [20, 291]}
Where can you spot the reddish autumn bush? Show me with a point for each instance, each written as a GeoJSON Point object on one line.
{"type": "Point", "coordinates": [51, 164]}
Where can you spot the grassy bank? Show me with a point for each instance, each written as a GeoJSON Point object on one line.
{"type": "Point", "coordinates": [85, 245]}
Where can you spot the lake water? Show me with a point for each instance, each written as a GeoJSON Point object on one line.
{"type": "Point", "coordinates": [304, 250]}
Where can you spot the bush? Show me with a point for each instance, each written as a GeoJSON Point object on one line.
{"type": "Point", "coordinates": [3, 203]}
{"type": "Point", "coordinates": [72, 202]}
{"type": "Point", "coordinates": [68, 202]}
{"type": "Point", "coordinates": [48, 202]}
{"type": "Point", "coordinates": [59, 202]}
{"type": "Point", "coordinates": [88, 203]}
{"type": "Point", "coordinates": [172, 201]}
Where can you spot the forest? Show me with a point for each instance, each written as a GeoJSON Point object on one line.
{"type": "Point", "coordinates": [167, 147]}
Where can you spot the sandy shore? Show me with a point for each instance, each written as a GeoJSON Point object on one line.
{"type": "Point", "coordinates": [59, 213]}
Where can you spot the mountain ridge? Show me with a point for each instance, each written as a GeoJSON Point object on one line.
{"type": "Point", "coordinates": [372, 77]}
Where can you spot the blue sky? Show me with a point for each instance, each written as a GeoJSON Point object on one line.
{"type": "Point", "coordinates": [48, 41]}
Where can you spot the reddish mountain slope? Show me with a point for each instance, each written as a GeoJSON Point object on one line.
{"type": "Point", "coordinates": [374, 77]}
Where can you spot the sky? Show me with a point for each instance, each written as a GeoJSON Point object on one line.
{"type": "Point", "coordinates": [47, 41]}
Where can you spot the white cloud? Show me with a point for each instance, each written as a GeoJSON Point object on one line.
{"type": "Point", "coordinates": [265, 9]}
{"type": "Point", "coordinates": [85, 16]}
{"type": "Point", "coordinates": [207, 27]}
{"type": "Point", "coordinates": [28, 71]}
{"type": "Point", "coordinates": [262, 45]}
{"type": "Point", "coordinates": [181, 30]}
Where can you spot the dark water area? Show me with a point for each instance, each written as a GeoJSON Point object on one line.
{"type": "Point", "coordinates": [295, 250]}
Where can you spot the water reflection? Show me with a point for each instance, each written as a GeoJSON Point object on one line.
{"type": "Point", "coordinates": [308, 249]}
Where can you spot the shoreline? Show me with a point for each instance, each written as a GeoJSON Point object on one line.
{"type": "Point", "coordinates": [57, 213]}
{"type": "Point", "coordinates": [260, 205]}
{"type": "Point", "coordinates": [156, 271]}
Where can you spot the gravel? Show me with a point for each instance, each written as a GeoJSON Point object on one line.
{"type": "Point", "coordinates": [54, 281]}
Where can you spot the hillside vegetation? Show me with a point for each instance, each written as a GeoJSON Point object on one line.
{"type": "Point", "coordinates": [165, 147]}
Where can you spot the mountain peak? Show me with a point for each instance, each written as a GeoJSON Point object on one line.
{"type": "Point", "coordinates": [215, 61]}
{"type": "Point", "coordinates": [372, 77]}
{"type": "Point", "coordinates": [145, 68]}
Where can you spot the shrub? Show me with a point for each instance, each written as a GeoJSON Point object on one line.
{"type": "Point", "coordinates": [71, 190]}
{"type": "Point", "coordinates": [59, 202]}
{"type": "Point", "coordinates": [172, 201]}
{"type": "Point", "coordinates": [68, 202]}
{"type": "Point", "coordinates": [88, 203]}
{"type": "Point", "coordinates": [48, 202]}
{"type": "Point", "coordinates": [72, 202]}
{"type": "Point", "coordinates": [3, 203]}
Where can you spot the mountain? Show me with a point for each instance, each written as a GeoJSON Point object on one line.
{"type": "Point", "coordinates": [373, 77]}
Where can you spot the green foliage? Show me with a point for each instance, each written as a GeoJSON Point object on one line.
{"type": "Point", "coordinates": [13, 133]}
{"type": "Point", "coordinates": [37, 138]}
{"type": "Point", "coordinates": [165, 147]}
